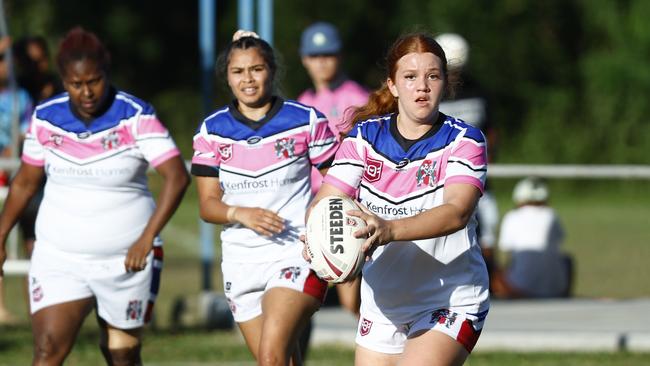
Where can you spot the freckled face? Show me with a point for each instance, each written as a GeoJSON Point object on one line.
{"type": "Point", "coordinates": [418, 84]}
{"type": "Point", "coordinates": [87, 85]}
{"type": "Point", "coordinates": [249, 78]}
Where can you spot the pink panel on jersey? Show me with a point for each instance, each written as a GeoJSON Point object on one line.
{"type": "Point", "coordinates": [473, 153]}
{"type": "Point", "coordinates": [335, 104]}
{"type": "Point", "coordinates": [164, 157]}
{"type": "Point", "coordinates": [204, 152]}
{"type": "Point", "coordinates": [269, 152]}
{"type": "Point", "coordinates": [31, 161]}
{"type": "Point", "coordinates": [466, 180]}
{"type": "Point", "coordinates": [150, 125]}
{"type": "Point", "coordinates": [88, 148]}
{"type": "Point", "coordinates": [341, 185]}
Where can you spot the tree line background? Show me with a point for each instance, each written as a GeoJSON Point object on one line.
{"type": "Point", "coordinates": [568, 80]}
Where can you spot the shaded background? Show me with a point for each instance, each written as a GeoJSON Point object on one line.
{"type": "Point", "coordinates": [567, 80]}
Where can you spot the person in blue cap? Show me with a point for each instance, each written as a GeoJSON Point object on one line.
{"type": "Point", "coordinates": [333, 93]}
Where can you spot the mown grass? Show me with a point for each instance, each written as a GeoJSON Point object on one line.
{"type": "Point", "coordinates": [608, 231]}
{"type": "Point", "coordinates": [226, 348]}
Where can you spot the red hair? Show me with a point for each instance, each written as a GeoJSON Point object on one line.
{"type": "Point", "coordinates": [381, 101]}
{"type": "Point", "coordinates": [79, 45]}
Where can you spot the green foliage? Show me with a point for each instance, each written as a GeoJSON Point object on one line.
{"type": "Point", "coordinates": [566, 80]}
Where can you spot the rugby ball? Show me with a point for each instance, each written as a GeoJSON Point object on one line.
{"type": "Point", "coordinates": [334, 251]}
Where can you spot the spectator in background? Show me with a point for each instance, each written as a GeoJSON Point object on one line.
{"type": "Point", "coordinates": [15, 105]}
{"type": "Point", "coordinates": [532, 236]}
{"type": "Point", "coordinates": [34, 73]}
{"type": "Point", "coordinates": [470, 104]}
{"type": "Point", "coordinates": [97, 229]}
{"type": "Point", "coordinates": [332, 93]}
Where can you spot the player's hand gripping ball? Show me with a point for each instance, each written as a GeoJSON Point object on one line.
{"type": "Point", "coordinates": [334, 251]}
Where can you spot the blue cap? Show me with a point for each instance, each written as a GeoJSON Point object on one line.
{"type": "Point", "coordinates": [320, 39]}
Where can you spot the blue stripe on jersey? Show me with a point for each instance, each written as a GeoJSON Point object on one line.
{"type": "Point", "coordinates": [377, 133]}
{"type": "Point", "coordinates": [57, 112]}
{"type": "Point", "coordinates": [290, 116]}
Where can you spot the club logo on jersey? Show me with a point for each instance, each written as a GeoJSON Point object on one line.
{"type": "Point", "coordinates": [225, 151]}
{"type": "Point", "coordinates": [56, 139]}
{"type": "Point", "coordinates": [37, 290]}
{"type": "Point", "coordinates": [372, 172]}
{"type": "Point", "coordinates": [443, 316]}
{"type": "Point", "coordinates": [290, 273]}
{"type": "Point", "coordinates": [285, 148]}
{"type": "Point", "coordinates": [365, 326]}
{"type": "Point", "coordinates": [111, 141]}
{"type": "Point", "coordinates": [134, 310]}
{"type": "Point", "coordinates": [425, 174]}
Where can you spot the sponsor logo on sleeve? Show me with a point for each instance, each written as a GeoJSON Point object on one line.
{"type": "Point", "coordinates": [372, 172]}
{"type": "Point", "coordinates": [426, 173]}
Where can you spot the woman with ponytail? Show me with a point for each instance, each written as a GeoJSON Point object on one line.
{"type": "Point", "coordinates": [417, 175]}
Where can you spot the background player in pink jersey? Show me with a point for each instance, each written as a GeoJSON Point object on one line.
{"type": "Point", "coordinates": [418, 175]}
{"type": "Point", "coordinates": [97, 229]}
{"type": "Point", "coordinates": [252, 160]}
{"type": "Point", "coordinates": [335, 95]}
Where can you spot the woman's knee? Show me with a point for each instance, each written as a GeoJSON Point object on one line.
{"type": "Point", "coordinates": [50, 349]}
{"type": "Point", "coordinates": [127, 356]}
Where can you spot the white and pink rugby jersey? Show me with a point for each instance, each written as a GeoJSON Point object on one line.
{"type": "Point", "coordinates": [265, 164]}
{"type": "Point", "coordinates": [96, 198]}
{"type": "Point", "coordinates": [395, 178]}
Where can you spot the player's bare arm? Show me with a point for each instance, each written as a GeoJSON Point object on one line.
{"type": "Point", "coordinates": [214, 210]}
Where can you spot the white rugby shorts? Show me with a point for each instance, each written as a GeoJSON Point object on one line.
{"type": "Point", "coordinates": [385, 337]}
{"type": "Point", "coordinates": [245, 283]}
{"type": "Point", "coordinates": [124, 300]}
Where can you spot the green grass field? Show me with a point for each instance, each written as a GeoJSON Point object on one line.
{"type": "Point", "coordinates": [608, 231]}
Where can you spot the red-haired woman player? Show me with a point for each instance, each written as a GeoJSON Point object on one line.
{"type": "Point", "coordinates": [418, 174]}
{"type": "Point", "coordinates": [97, 243]}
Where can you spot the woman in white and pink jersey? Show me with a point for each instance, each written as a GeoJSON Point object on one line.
{"type": "Point", "coordinates": [252, 160]}
{"type": "Point", "coordinates": [97, 243]}
{"type": "Point", "coordinates": [417, 175]}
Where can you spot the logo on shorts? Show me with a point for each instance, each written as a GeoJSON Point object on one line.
{"type": "Point", "coordinates": [111, 141]}
{"type": "Point", "coordinates": [231, 304]}
{"type": "Point", "coordinates": [425, 174]}
{"type": "Point", "coordinates": [364, 329]}
{"type": "Point", "coordinates": [37, 290]}
{"type": "Point", "coordinates": [227, 286]}
{"type": "Point", "coordinates": [372, 172]}
{"type": "Point", "coordinates": [290, 273]}
{"type": "Point", "coordinates": [225, 151]}
{"type": "Point", "coordinates": [443, 316]}
{"type": "Point", "coordinates": [134, 310]}
{"type": "Point", "coordinates": [285, 148]}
